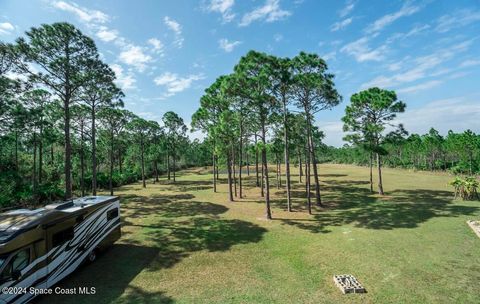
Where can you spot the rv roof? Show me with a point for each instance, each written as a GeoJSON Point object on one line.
{"type": "Point", "coordinates": [15, 220]}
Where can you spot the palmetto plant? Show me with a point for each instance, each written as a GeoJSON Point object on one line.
{"type": "Point", "coordinates": [466, 188]}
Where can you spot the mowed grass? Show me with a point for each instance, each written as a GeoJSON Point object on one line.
{"type": "Point", "coordinates": [182, 243]}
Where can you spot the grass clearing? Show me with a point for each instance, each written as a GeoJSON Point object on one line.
{"type": "Point", "coordinates": [183, 243]}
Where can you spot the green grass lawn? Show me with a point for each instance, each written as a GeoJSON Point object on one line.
{"type": "Point", "coordinates": [183, 243]}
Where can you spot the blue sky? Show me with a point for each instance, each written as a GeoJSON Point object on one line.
{"type": "Point", "coordinates": [166, 52]}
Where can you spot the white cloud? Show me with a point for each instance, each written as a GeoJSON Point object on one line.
{"type": "Point", "coordinates": [107, 34]}
{"type": "Point", "coordinates": [333, 133]}
{"type": "Point", "coordinates": [175, 84]}
{"type": "Point", "coordinates": [362, 52]}
{"type": "Point", "coordinates": [135, 56]}
{"type": "Point", "coordinates": [126, 82]}
{"type": "Point", "coordinates": [85, 15]}
{"type": "Point", "coordinates": [420, 87]}
{"type": "Point", "coordinates": [269, 12]}
{"type": "Point", "coordinates": [6, 28]}
{"type": "Point", "coordinates": [470, 63]}
{"type": "Point", "coordinates": [457, 19]}
{"type": "Point", "coordinates": [228, 46]}
{"type": "Point", "coordinates": [457, 114]}
{"type": "Point", "coordinates": [341, 24]}
{"type": "Point", "coordinates": [223, 7]}
{"type": "Point", "coordinates": [349, 6]}
{"type": "Point", "coordinates": [176, 28]}
{"type": "Point", "coordinates": [386, 20]}
{"type": "Point", "coordinates": [156, 44]}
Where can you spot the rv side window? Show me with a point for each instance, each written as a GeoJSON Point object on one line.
{"type": "Point", "coordinates": [111, 214]}
{"type": "Point", "coordinates": [17, 263]}
{"type": "Point", "coordinates": [62, 236]}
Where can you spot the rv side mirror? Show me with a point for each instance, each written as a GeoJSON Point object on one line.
{"type": "Point", "coordinates": [16, 274]}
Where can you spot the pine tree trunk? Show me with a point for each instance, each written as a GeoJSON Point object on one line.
{"type": "Point", "coordinates": [308, 182]}
{"type": "Point", "coordinates": [380, 183]}
{"type": "Point", "coordinates": [214, 173]}
{"type": "Point", "coordinates": [229, 177]}
{"type": "Point", "coordinates": [247, 156]}
{"type": "Point", "coordinates": [174, 164]}
{"type": "Point", "coordinates": [168, 165]}
{"type": "Point", "coordinates": [262, 180]}
{"type": "Point", "coordinates": [265, 173]}
{"type": "Point", "coordinates": [111, 164]}
{"type": "Point", "coordinates": [82, 160]}
{"type": "Point", "coordinates": [40, 155]}
{"type": "Point", "coordinates": [286, 152]}
{"type": "Point", "coordinates": [313, 161]}
{"type": "Point", "coordinates": [300, 166]}
{"type": "Point", "coordinates": [240, 165]}
{"type": "Point", "coordinates": [371, 171]}
{"type": "Point", "coordinates": [94, 155]}
{"type": "Point", "coordinates": [143, 165]}
{"type": "Point", "coordinates": [234, 171]}
{"type": "Point", "coordinates": [34, 167]}
{"type": "Point", "coordinates": [256, 161]}
{"type": "Point", "coordinates": [16, 151]}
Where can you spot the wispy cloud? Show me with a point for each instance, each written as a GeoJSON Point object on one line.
{"type": "Point", "coordinates": [228, 46]}
{"type": "Point", "coordinates": [6, 28]}
{"type": "Point", "coordinates": [457, 19]}
{"type": "Point", "coordinates": [420, 87]}
{"type": "Point", "coordinates": [406, 10]}
{"type": "Point", "coordinates": [135, 56]}
{"type": "Point", "coordinates": [176, 28]}
{"type": "Point", "coordinates": [363, 52]}
{"type": "Point", "coordinates": [470, 63]}
{"type": "Point", "coordinates": [224, 7]}
{"type": "Point", "coordinates": [347, 9]}
{"type": "Point", "coordinates": [421, 67]}
{"type": "Point", "coordinates": [329, 56]}
{"type": "Point", "coordinates": [174, 83]}
{"type": "Point", "coordinates": [340, 24]}
{"type": "Point", "coordinates": [416, 30]}
{"type": "Point", "coordinates": [269, 12]}
{"type": "Point", "coordinates": [84, 14]}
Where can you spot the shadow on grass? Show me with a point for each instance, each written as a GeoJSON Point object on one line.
{"type": "Point", "coordinates": [111, 275]}
{"type": "Point", "coordinates": [349, 204]}
{"type": "Point", "coordinates": [158, 232]}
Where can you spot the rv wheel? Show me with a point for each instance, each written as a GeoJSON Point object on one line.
{"type": "Point", "coordinates": [92, 256]}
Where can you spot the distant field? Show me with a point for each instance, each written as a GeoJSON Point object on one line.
{"type": "Point", "coordinates": [182, 243]}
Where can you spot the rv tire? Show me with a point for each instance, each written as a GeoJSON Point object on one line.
{"type": "Point", "coordinates": [92, 256]}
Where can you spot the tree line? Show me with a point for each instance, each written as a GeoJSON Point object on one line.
{"type": "Point", "coordinates": [456, 152]}
{"type": "Point", "coordinates": [63, 128]}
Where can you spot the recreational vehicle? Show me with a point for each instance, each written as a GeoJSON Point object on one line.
{"type": "Point", "coordinates": [40, 247]}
